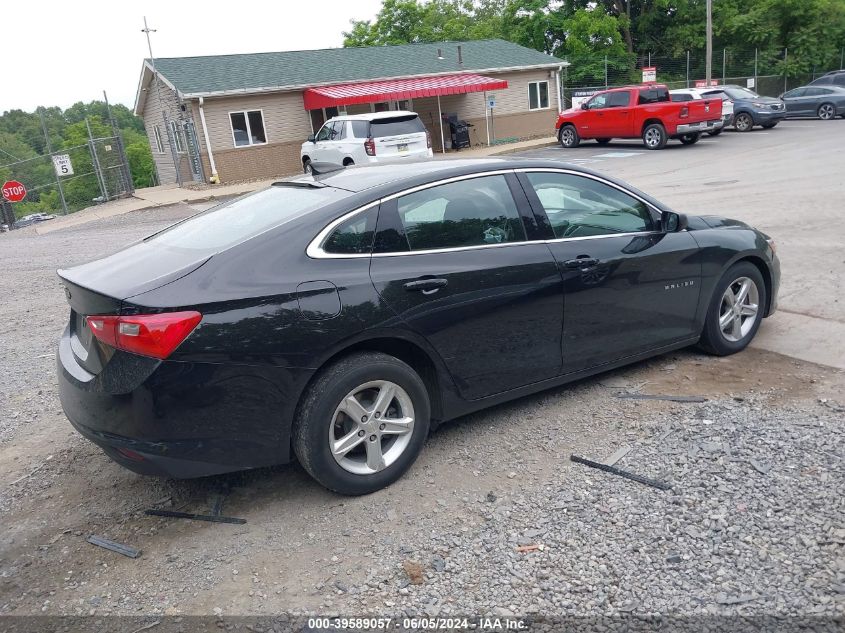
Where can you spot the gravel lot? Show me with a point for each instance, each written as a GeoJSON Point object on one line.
{"type": "Point", "coordinates": [753, 524]}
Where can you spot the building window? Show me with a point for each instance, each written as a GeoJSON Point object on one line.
{"type": "Point", "coordinates": [177, 136]}
{"type": "Point", "coordinates": [248, 128]}
{"type": "Point", "coordinates": [159, 144]}
{"type": "Point", "coordinates": [538, 95]}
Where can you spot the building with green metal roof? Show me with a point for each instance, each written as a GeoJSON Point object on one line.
{"type": "Point", "coordinates": [236, 117]}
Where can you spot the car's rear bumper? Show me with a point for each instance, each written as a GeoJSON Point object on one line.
{"type": "Point", "coordinates": [180, 419]}
{"type": "Point", "coordinates": [700, 126]}
{"type": "Point", "coordinates": [397, 158]}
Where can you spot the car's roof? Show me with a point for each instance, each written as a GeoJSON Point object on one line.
{"type": "Point", "coordinates": [373, 116]}
{"type": "Point", "coordinates": [687, 91]}
{"type": "Point", "coordinates": [383, 179]}
{"type": "Point", "coordinates": [833, 87]}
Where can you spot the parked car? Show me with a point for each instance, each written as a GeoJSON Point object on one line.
{"type": "Point", "coordinates": [824, 102]}
{"type": "Point", "coordinates": [32, 218]}
{"type": "Point", "coordinates": [833, 78]}
{"type": "Point", "coordinates": [339, 317]}
{"type": "Point", "coordinates": [645, 112]}
{"type": "Point", "coordinates": [750, 109]}
{"type": "Point", "coordinates": [688, 94]}
{"type": "Point", "coordinates": [362, 139]}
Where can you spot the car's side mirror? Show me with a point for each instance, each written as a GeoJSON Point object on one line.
{"type": "Point", "coordinates": [312, 138]}
{"type": "Point", "coordinates": [585, 106]}
{"type": "Point", "coordinates": [674, 222]}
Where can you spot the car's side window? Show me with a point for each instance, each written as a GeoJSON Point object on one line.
{"type": "Point", "coordinates": [337, 130]}
{"type": "Point", "coordinates": [353, 237]}
{"type": "Point", "coordinates": [798, 92]}
{"type": "Point", "coordinates": [472, 212]}
{"type": "Point", "coordinates": [325, 132]}
{"type": "Point", "coordinates": [360, 129]}
{"type": "Point", "coordinates": [581, 207]}
{"type": "Point", "coordinates": [618, 99]}
{"type": "Point", "coordinates": [599, 101]}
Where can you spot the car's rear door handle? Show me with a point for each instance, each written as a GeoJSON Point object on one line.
{"type": "Point", "coordinates": [583, 261]}
{"type": "Point", "coordinates": [426, 285]}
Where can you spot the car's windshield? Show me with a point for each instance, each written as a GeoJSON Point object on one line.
{"type": "Point", "coordinates": [239, 220]}
{"type": "Point", "coordinates": [741, 93]}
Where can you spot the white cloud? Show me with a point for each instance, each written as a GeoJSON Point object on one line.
{"type": "Point", "coordinates": [58, 52]}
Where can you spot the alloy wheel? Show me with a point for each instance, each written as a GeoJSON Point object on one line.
{"type": "Point", "coordinates": [371, 428]}
{"type": "Point", "coordinates": [567, 136]}
{"type": "Point", "coordinates": [743, 122]}
{"type": "Point", "coordinates": [826, 111]}
{"type": "Point", "coordinates": [739, 309]}
{"type": "Point", "coordinates": [653, 137]}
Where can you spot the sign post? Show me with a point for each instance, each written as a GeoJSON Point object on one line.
{"type": "Point", "coordinates": [13, 191]}
{"type": "Point", "coordinates": [491, 103]}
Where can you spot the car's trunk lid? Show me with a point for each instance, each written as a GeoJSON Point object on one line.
{"type": "Point", "coordinates": [100, 287]}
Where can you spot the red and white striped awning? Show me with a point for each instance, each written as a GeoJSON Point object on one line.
{"type": "Point", "coordinates": [396, 89]}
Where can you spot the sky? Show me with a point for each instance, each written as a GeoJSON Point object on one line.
{"type": "Point", "coordinates": [55, 53]}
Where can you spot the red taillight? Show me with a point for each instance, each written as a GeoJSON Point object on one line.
{"type": "Point", "coordinates": [370, 147]}
{"type": "Point", "coordinates": [155, 335]}
{"type": "Point", "coordinates": [684, 112]}
{"type": "Point", "coordinates": [427, 139]}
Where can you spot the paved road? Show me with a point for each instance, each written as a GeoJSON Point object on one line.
{"type": "Point", "coordinates": [789, 182]}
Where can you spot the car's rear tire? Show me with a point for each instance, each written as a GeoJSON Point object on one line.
{"type": "Point", "coordinates": [654, 136]}
{"type": "Point", "coordinates": [603, 141]}
{"type": "Point", "coordinates": [306, 166]}
{"type": "Point", "coordinates": [716, 132]}
{"type": "Point", "coordinates": [568, 136]}
{"type": "Point", "coordinates": [690, 139]}
{"type": "Point", "coordinates": [344, 403]}
{"type": "Point", "coordinates": [348, 162]}
{"type": "Point", "coordinates": [826, 112]}
{"type": "Point", "coordinates": [743, 122]}
{"type": "Point", "coordinates": [733, 318]}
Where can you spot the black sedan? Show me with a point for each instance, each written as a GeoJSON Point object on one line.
{"type": "Point", "coordinates": [341, 316]}
{"type": "Point", "coordinates": [824, 102]}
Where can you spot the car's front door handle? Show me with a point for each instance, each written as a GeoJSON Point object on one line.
{"type": "Point", "coordinates": [426, 285]}
{"type": "Point", "coordinates": [583, 261]}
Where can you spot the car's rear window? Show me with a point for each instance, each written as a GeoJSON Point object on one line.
{"type": "Point", "coordinates": [237, 221]}
{"type": "Point", "coordinates": [407, 124]}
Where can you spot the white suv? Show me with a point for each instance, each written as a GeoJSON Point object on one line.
{"type": "Point", "coordinates": [361, 139]}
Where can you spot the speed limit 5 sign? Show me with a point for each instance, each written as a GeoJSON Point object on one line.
{"type": "Point", "coordinates": [63, 165]}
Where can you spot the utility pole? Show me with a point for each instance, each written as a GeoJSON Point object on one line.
{"type": "Point", "coordinates": [708, 61]}
{"type": "Point", "coordinates": [147, 30]}
{"type": "Point", "coordinates": [50, 152]}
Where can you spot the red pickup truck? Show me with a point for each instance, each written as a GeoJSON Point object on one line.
{"type": "Point", "coordinates": [638, 112]}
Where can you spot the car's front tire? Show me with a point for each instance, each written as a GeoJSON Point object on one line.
{"type": "Point", "coordinates": [568, 136]}
{"type": "Point", "coordinates": [735, 311]}
{"type": "Point", "coordinates": [362, 423]}
{"type": "Point", "coordinates": [306, 166]}
{"type": "Point", "coordinates": [743, 122]}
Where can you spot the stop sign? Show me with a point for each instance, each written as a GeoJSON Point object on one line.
{"type": "Point", "coordinates": [13, 191]}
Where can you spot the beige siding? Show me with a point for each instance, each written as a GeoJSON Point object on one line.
{"type": "Point", "coordinates": [153, 116]}
{"type": "Point", "coordinates": [285, 118]}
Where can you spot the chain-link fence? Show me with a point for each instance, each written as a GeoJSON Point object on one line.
{"type": "Point", "coordinates": [69, 179]}
{"type": "Point", "coordinates": [769, 73]}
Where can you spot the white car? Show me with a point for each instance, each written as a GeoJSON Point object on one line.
{"type": "Point", "coordinates": [362, 139]}
{"type": "Point", "coordinates": [688, 94]}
